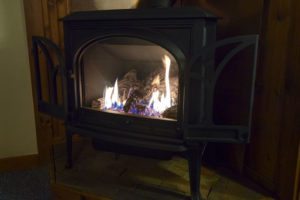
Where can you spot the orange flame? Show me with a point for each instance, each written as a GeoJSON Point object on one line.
{"type": "Point", "coordinates": [159, 102]}
{"type": "Point", "coordinates": [156, 81]}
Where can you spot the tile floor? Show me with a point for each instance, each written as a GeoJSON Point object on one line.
{"type": "Point", "coordinates": [132, 178]}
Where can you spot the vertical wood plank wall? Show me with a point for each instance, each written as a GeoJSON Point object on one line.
{"type": "Point", "coordinates": [42, 19]}
{"type": "Point", "coordinates": [272, 157]}
{"type": "Point", "coordinates": [262, 154]}
{"type": "Point", "coordinates": [288, 151]}
{"type": "Point", "coordinates": [35, 26]}
{"type": "Point", "coordinates": [272, 154]}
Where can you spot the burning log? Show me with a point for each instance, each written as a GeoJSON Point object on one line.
{"type": "Point", "coordinates": [156, 81]}
{"type": "Point", "coordinates": [133, 92]}
{"type": "Point", "coordinates": [128, 104]}
{"type": "Point", "coordinates": [155, 96]}
{"type": "Point", "coordinates": [134, 96]}
{"type": "Point", "coordinates": [140, 107]}
{"type": "Point", "coordinates": [129, 82]}
{"type": "Point", "coordinates": [96, 104]}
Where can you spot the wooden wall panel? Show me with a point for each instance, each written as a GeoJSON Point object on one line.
{"type": "Point", "coordinates": [53, 11]}
{"type": "Point", "coordinates": [34, 26]}
{"type": "Point", "coordinates": [262, 152]}
{"type": "Point", "coordinates": [42, 19]}
{"type": "Point", "coordinates": [288, 151]}
{"type": "Point", "coordinates": [273, 153]}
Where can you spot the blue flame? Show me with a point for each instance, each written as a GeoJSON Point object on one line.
{"type": "Point", "coordinates": [147, 111]}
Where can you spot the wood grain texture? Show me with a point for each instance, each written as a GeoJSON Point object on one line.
{"type": "Point", "coordinates": [34, 26]}
{"type": "Point", "coordinates": [53, 11]}
{"type": "Point", "coordinates": [262, 152]}
{"type": "Point", "coordinates": [288, 152]}
{"type": "Point", "coordinates": [42, 19]}
{"type": "Point", "coordinates": [273, 151]}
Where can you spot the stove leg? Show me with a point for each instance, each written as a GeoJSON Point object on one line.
{"type": "Point", "coordinates": [69, 144]}
{"type": "Point", "coordinates": [195, 155]}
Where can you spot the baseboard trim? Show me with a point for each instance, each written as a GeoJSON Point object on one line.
{"type": "Point", "coordinates": [19, 163]}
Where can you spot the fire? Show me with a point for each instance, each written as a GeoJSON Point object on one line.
{"type": "Point", "coordinates": [156, 105]}
{"type": "Point", "coordinates": [115, 96]}
{"type": "Point", "coordinates": [161, 102]}
{"type": "Point", "coordinates": [111, 96]}
{"type": "Point", "coordinates": [107, 97]}
{"type": "Point", "coordinates": [156, 81]}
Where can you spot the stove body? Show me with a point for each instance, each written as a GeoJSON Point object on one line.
{"type": "Point", "coordinates": [105, 51]}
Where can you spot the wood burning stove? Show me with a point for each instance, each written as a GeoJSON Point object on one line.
{"type": "Point", "coordinates": [145, 82]}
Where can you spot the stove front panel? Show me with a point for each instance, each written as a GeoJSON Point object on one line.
{"type": "Point", "coordinates": [131, 74]}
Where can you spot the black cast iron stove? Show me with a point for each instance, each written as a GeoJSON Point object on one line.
{"type": "Point", "coordinates": [147, 82]}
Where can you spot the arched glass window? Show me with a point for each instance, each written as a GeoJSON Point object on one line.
{"type": "Point", "coordinates": [130, 76]}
